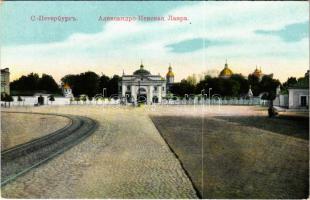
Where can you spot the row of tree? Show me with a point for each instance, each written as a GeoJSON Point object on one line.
{"type": "Point", "coordinates": [235, 86]}
{"type": "Point", "coordinates": [33, 82]}
{"type": "Point", "coordinates": [90, 84]}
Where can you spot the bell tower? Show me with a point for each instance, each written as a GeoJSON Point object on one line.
{"type": "Point", "coordinates": [169, 77]}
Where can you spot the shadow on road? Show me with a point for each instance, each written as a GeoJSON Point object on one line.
{"type": "Point", "coordinates": [296, 126]}
{"type": "Point", "coordinates": [240, 160]}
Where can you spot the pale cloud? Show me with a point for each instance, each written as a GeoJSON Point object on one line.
{"type": "Point", "coordinates": [121, 45]}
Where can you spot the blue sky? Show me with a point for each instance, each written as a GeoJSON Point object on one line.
{"type": "Point", "coordinates": [18, 29]}
{"type": "Point", "coordinates": [273, 35]}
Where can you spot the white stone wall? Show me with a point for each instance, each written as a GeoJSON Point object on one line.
{"type": "Point", "coordinates": [283, 100]}
{"type": "Point", "coordinates": [31, 100]}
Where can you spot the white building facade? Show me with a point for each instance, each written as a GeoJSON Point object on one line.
{"type": "Point", "coordinates": [298, 98]}
{"type": "Point", "coordinates": [5, 81]}
{"type": "Point", "coordinates": [142, 86]}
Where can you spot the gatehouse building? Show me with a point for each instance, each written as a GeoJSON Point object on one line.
{"type": "Point", "coordinates": [142, 86]}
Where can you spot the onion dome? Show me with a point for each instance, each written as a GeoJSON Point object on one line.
{"type": "Point", "coordinates": [257, 72]}
{"type": "Point", "coordinates": [170, 73]}
{"type": "Point", "coordinates": [226, 72]}
{"type": "Point", "coordinates": [141, 71]}
{"type": "Point", "coordinates": [66, 86]}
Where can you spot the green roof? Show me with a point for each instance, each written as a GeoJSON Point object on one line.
{"type": "Point", "coordinates": [141, 71]}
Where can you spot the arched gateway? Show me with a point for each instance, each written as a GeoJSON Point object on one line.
{"type": "Point", "coordinates": [142, 86]}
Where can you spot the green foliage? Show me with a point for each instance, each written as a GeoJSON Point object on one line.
{"type": "Point", "coordinates": [47, 83]}
{"type": "Point", "coordinates": [112, 87]}
{"type": "Point", "coordinates": [243, 83]}
{"type": "Point", "coordinates": [103, 83]}
{"type": "Point", "coordinates": [255, 84]}
{"type": "Point", "coordinates": [84, 83]}
{"type": "Point", "coordinates": [302, 82]}
{"type": "Point", "coordinates": [224, 87]}
{"type": "Point", "coordinates": [90, 83]}
{"type": "Point", "coordinates": [32, 82]}
{"type": "Point", "coordinates": [192, 80]}
{"type": "Point", "coordinates": [235, 86]}
{"type": "Point", "coordinates": [182, 88]}
{"type": "Point", "coordinates": [289, 83]}
{"type": "Point", "coordinates": [269, 86]}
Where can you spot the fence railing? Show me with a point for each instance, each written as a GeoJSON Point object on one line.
{"type": "Point", "coordinates": [31, 101]}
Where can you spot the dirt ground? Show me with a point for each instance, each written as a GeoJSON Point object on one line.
{"type": "Point", "coordinates": [18, 128]}
{"type": "Point", "coordinates": [242, 154]}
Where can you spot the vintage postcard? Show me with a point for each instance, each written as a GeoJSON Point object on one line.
{"type": "Point", "coordinates": [154, 99]}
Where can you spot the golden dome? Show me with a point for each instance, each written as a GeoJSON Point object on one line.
{"type": "Point", "coordinates": [257, 72]}
{"type": "Point", "coordinates": [226, 72]}
{"type": "Point", "coordinates": [66, 86]}
{"type": "Point", "coordinates": [170, 73]}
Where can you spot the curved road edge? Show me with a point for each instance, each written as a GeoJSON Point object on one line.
{"type": "Point", "coordinates": [22, 158]}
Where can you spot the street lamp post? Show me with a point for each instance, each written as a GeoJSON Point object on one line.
{"type": "Point", "coordinates": [138, 97]}
{"type": "Point", "coordinates": [202, 91]}
{"type": "Point", "coordinates": [210, 96]}
{"type": "Point", "coordinates": [206, 96]}
{"type": "Point", "coordinates": [186, 97]}
{"type": "Point", "coordinates": [103, 91]}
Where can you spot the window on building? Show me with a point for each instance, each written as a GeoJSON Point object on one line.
{"type": "Point", "coordinates": [155, 88]}
{"type": "Point", "coordinates": [163, 89]}
{"type": "Point", "coordinates": [128, 87]}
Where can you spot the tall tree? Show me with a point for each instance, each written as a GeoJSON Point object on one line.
{"type": "Point", "coordinates": [255, 84]}
{"type": "Point", "coordinates": [290, 82]}
{"type": "Point", "coordinates": [192, 79]}
{"type": "Point", "coordinates": [47, 83]}
{"type": "Point", "coordinates": [243, 83]}
{"type": "Point", "coordinates": [32, 82]}
{"type": "Point", "coordinates": [112, 88]}
{"type": "Point", "coordinates": [89, 82]}
{"type": "Point", "coordinates": [103, 83]}
{"type": "Point", "coordinates": [29, 82]}
{"type": "Point", "coordinates": [269, 85]}
{"type": "Point", "coordinates": [69, 79]}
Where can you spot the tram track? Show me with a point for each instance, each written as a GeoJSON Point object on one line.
{"type": "Point", "coordinates": [20, 159]}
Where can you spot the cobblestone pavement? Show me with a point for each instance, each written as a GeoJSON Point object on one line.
{"type": "Point", "coordinates": [18, 128]}
{"type": "Point", "coordinates": [125, 158]}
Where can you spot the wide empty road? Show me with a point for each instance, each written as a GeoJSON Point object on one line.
{"type": "Point", "coordinates": [124, 158]}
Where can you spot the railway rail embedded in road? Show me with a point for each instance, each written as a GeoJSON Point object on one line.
{"type": "Point", "coordinates": [22, 158]}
